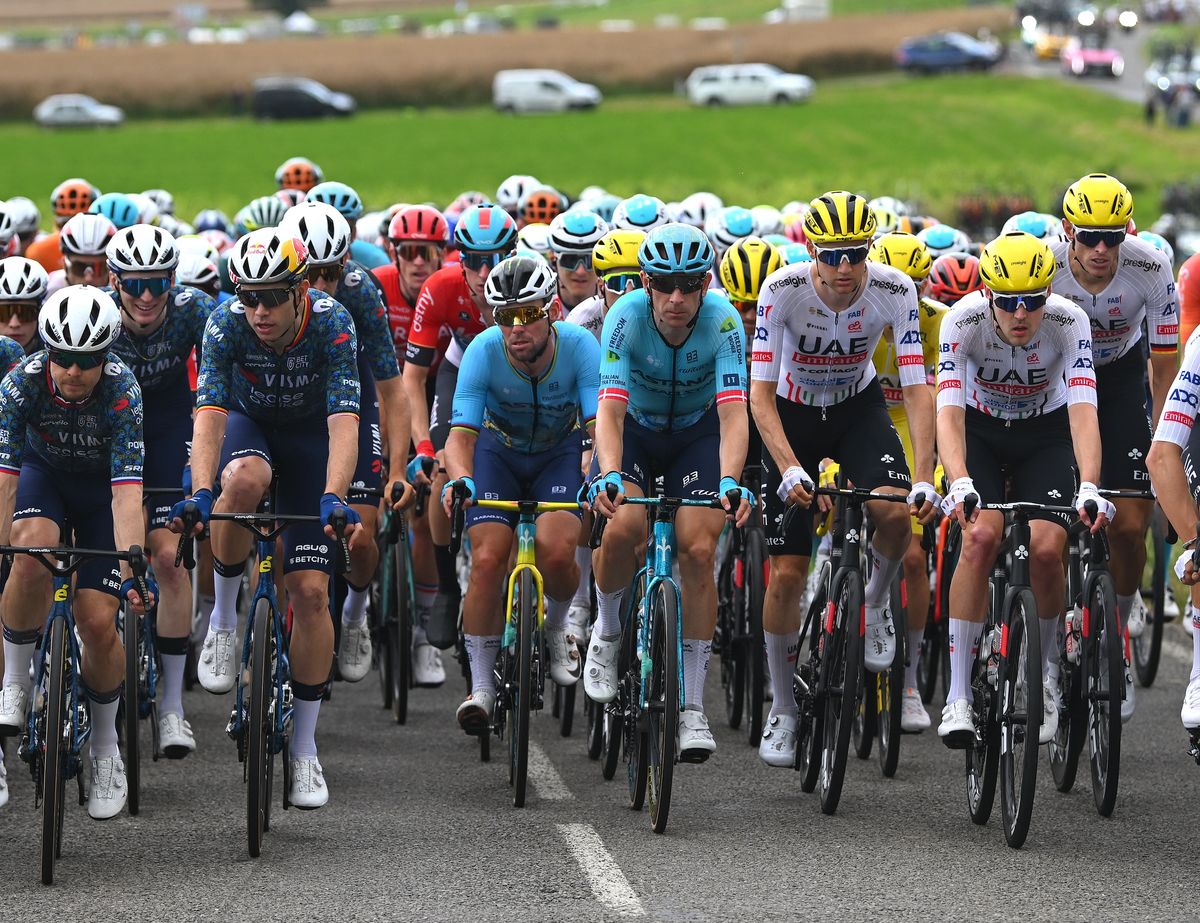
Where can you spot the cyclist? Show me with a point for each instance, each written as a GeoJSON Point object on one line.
{"type": "Point", "coordinates": [815, 394]}
{"type": "Point", "coordinates": [161, 324]}
{"type": "Point", "coordinates": [672, 401]}
{"type": "Point", "coordinates": [25, 218]}
{"type": "Point", "coordinates": [573, 236]}
{"type": "Point", "coordinates": [523, 388]}
{"type": "Point", "coordinates": [83, 241]}
{"type": "Point", "coordinates": [279, 381]}
{"type": "Point", "coordinates": [640, 212]}
{"type": "Point", "coordinates": [539, 205]}
{"type": "Point", "coordinates": [298, 173]}
{"type": "Point", "coordinates": [1121, 281]}
{"type": "Point", "coordinates": [24, 285]}
{"type": "Point", "coordinates": [118, 208]}
{"type": "Point", "coordinates": [1189, 297]}
{"type": "Point", "coordinates": [70, 197]}
{"type": "Point", "coordinates": [512, 190]}
{"type": "Point", "coordinates": [1016, 394]}
{"type": "Point", "coordinates": [346, 200]}
{"type": "Point", "coordinates": [452, 297]}
{"type": "Point", "coordinates": [75, 415]}
{"type": "Point", "coordinates": [326, 235]}
{"type": "Point", "coordinates": [953, 276]}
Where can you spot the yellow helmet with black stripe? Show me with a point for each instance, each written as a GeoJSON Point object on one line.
{"type": "Point", "coordinates": [905, 252]}
{"type": "Point", "coordinates": [839, 217]}
{"type": "Point", "coordinates": [617, 251]}
{"type": "Point", "coordinates": [1098, 201]}
{"type": "Point", "coordinates": [1016, 262]}
{"type": "Point", "coordinates": [745, 265]}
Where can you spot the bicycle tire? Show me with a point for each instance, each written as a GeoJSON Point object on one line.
{"type": "Point", "coordinates": [593, 739]}
{"type": "Point", "coordinates": [56, 731]}
{"type": "Point", "coordinates": [754, 595]}
{"type": "Point", "coordinates": [930, 656]}
{"type": "Point", "coordinates": [1067, 744]}
{"type": "Point", "coordinates": [379, 609]}
{"type": "Point", "coordinates": [401, 634]}
{"type": "Point", "coordinates": [1104, 652]}
{"type": "Point", "coordinates": [733, 661]}
{"type": "Point", "coordinates": [841, 667]}
{"type": "Point", "coordinates": [889, 687]}
{"type": "Point", "coordinates": [130, 720]}
{"type": "Point", "coordinates": [521, 695]}
{"type": "Point", "coordinates": [807, 690]}
{"type": "Point", "coordinates": [634, 744]}
{"type": "Point", "coordinates": [664, 702]}
{"type": "Point", "coordinates": [1147, 649]}
{"type": "Point", "coordinates": [983, 756]}
{"type": "Point", "coordinates": [1020, 713]}
{"type": "Point", "coordinates": [259, 728]}
{"type": "Point", "coordinates": [949, 563]}
{"type": "Point", "coordinates": [862, 731]}
{"type": "Point", "coordinates": [565, 695]}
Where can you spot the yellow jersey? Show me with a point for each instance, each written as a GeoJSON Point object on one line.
{"type": "Point", "coordinates": [930, 314]}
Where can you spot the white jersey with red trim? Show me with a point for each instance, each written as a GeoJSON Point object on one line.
{"type": "Point", "coordinates": [978, 369]}
{"type": "Point", "coordinates": [820, 356]}
{"type": "Point", "coordinates": [1142, 289]}
{"type": "Point", "coordinates": [589, 314]}
{"type": "Point", "coordinates": [1183, 400]}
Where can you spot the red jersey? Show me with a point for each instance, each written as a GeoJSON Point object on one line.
{"type": "Point", "coordinates": [1189, 297]}
{"type": "Point", "coordinates": [444, 302]}
{"type": "Point", "coordinates": [399, 311]}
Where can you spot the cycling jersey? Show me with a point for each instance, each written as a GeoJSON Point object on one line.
{"type": "Point", "coordinates": [886, 369]}
{"type": "Point", "coordinates": [1179, 411]}
{"type": "Point", "coordinates": [589, 314]}
{"type": "Point", "coordinates": [11, 354]}
{"type": "Point", "coordinates": [399, 311]}
{"type": "Point", "coordinates": [527, 414]}
{"type": "Point", "coordinates": [978, 369]}
{"type": "Point", "coordinates": [1141, 289]}
{"type": "Point", "coordinates": [1189, 297]}
{"type": "Point", "coordinates": [665, 387]}
{"type": "Point", "coordinates": [159, 360]}
{"type": "Point", "coordinates": [367, 254]}
{"type": "Point", "coordinates": [445, 301]}
{"type": "Point", "coordinates": [819, 356]}
{"type": "Point", "coordinates": [102, 432]}
{"type": "Point", "coordinates": [359, 295]}
{"type": "Point", "coordinates": [317, 373]}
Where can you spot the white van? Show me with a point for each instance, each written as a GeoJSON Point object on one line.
{"type": "Point", "coordinates": [746, 84]}
{"type": "Point", "coordinates": [538, 90]}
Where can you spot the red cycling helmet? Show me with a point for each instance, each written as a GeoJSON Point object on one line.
{"type": "Point", "coordinates": [953, 276]}
{"type": "Point", "coordinates": [421, 223]}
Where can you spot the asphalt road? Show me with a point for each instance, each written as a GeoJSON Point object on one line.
{"type": "Point", "coordinates": [419, 829]}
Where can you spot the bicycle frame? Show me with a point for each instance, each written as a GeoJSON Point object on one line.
{"type": "Point", "coordinates": [81, 728]}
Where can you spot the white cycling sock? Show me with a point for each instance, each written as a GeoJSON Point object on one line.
{"type": "Point", "coordinates": [781, 663]}
{"type": "Point", "coordinates": [18, 655]}
{"type": "Point", "coordinates": [964, 644]}
{"type": "Point", "coordinates": [1124, 606]}
{"type": "Point", "coordinates": [583, 595]}
{"type": "Point", "coordinates": [696, 652]}
{"type": "Point", "coordinates": [608, 614]}
{"type": "Point", "coordinates": [1194, 614]}
{"type": "Point", "coordinates": [103, 741]}
{"type": "Point", "coordinates": [224, 614]}
{"type": "Point", "coordinates": [1049, 638]}
{"type": "Point", "coordinates": [303, 745]}
{"type": "Point", "coordinates": [172, 684]}
{"type": "Point", "coordinates": [354, 609]}
{"type": "Point", "coordinates": [482, 651]}
{"type": "Point", "coordinates": [556, 613]}
{"type": "Point", "coordinates": [915, 637]}
{"type": "Point", "coordinates": [883, 572]}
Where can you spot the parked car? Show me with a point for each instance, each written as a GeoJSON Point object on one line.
{"type": "Point", "coordinates": [541, 90]}
{"type": "Point", "coordinates": [1089, 55]}
{"type": "Point", "coordinates": [946, 51]}
{"type": "Point", "coordinates": [75, 109]}
{"type": "Point", "coordinates": [746, 84]}
{"type": "Point", "coordinates": [297, 98]}
{"type": "Point", "coordinates": [1049, 46]}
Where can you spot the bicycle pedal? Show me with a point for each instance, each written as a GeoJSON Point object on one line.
{"type": "Point", "coordinates": [1194, 749]}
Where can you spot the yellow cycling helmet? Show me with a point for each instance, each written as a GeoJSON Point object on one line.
{"type": "Point", "coordinates": [885, 221]}
{"type": "Point", "coordinates": [904, 252]}
{"type": "Point", "coordinates": [617, 251]}
{"type": "Point", "coordinates": [1098, 201]}
{"type": "Point", "coordinates": [1016, 262]}
{"type": "Point", "coordinates": [745, 265]}
{"type": "Point", "coordinates": [838, 218]}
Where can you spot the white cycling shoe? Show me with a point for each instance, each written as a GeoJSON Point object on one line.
{"type": "Point", "coordinates": [216, 668]}
{"type": "Point", "coordinates": [879, 648]}
{"type": "Point", "coordinates": [579, 618]}
{"type": "Point", "coordinates": [778, 744]}
{"type": "Point", "coordinates": [696, 742]}
{"type": "Point", "coordinates": [913, 717]}
{"type": "Point", "coordinates": [14, 706]}
{"type": "Point", "coordinates": [957, 729]}
{"type": "Point", "coordinates": [428, 670]}
{"type": "Point", "coordinates": [564, 657]}
{"type": "Point", "coordinates": [175, 737]}
{"type": "Point", "coordinates": [3, 784]}
{"type": "Point", "coordinates": [109, 790]}
{"type": "Point", "coordinates": [475, 713]}
{"type": "Point", "coordinates": [1050, 706]}
{"type": "Point", "coordinates": [308, 790]}
{"type": "Point", "coordinates": [1137, 617]}
{"type": "Point", "coordinates": [1190, 713]}
{"type": "Point", "coordinates": [354, 651]}
{"type": "Point", "coordinates": [600, 677]}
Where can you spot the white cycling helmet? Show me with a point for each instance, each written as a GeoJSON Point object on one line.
{"type": "Point", "coordinates": [268, 256]}
{"type": "Point", "coordinates": [696, 208]}
{"type": "Point", "coordinates": [592, 192]}
{"type": "Point", "coordinates": [25, 215]}
{"type": "Point", "coordinates": [86, 235]}
{"type": "Point", "coordinates": [8, 229]}
{"type": "Point", "coordinates": [888, 203]}
{"type": "Point", "coordinates": [142, 248]}
{"type": "Point", "coordinates": [520, 279]}
{"type": "Point", "coordinates": [509, 195]}
{"type": "Point", "coordinates": [640, 213]}
{"type": "Point", "coordinates": [535, 237]}
{"type": "Point", "coordinates": [197, 243]}
{"type": "Point", "coordinates": [767, 220]}
{"type": "Point", "coordinates": [196, 269]}
{"type": "Point", "coordinates": [576, 231]}
{"type": "Point", "coordinates": [22, 280]}
{"type": "Point", "coordinates": [174, 226]}
{"type": "Point", "coordinates": [729, 225]}
{"type": "Point", "coordinates": [79, 319]}
{"type": "Point", "coordinates": [146, 206]}
{"type": "Point", "coordinates": [163, 199]}
{"type": "Point", "coordinates": [324, 230]}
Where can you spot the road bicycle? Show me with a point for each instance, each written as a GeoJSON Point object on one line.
{"type": "Point", "coordinates": [1146, 649]}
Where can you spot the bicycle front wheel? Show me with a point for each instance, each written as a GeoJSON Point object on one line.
{"type": "Point", "coordinates": [55, 730]}
{"type": "Point", "coordinates": [1020, 714]}
{"type": "Point", "coordinates": [401, 632]}
{"type": "Point", "coordinates": [806, 688]}
{"type": "Point", "coordinates": [259, 728]}
{"type": "Point", "coordinates": [889, 688]}
{"type": "Point", "coordinates": [841, 667]}
{"type": "Point", "coordinates": [752, 596]}
{"type": "Point", "coordinates": [521, 692]}
{"type": "Point", "coordinates": [130, 634]}
{"type": "Point", "coordinates": [1147, 648]}
{"type": "Point", "coordinates": [629, 698]}
{"type": "Point", "coordinates": [1105, 679]}
{"type": "Point", "coordinates": [663, 701]}
{"type": "Point", "coordinates": [726, 641]}
{"type": "Point", "coordinates": [1067, 744]}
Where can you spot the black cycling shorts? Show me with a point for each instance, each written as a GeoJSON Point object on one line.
{"type": "Point", "coordinates": [857, 432]}
{"type": "Point", "coordinates": [1124, 424]}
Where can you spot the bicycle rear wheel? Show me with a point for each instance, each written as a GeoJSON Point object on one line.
{"type": "Point", "coordinates": [841, 666]}
{"type": "Point", "coordinates": [1147, 648]}
{"type": "Point", "coordinates": [633, 724]}
{"type": "Point", "coordinates": [259, 728]}
{"type": "Point", "coordinates": [807, 689]}
{"type": "Point", "coordinates": [727, 643]}
{"type": "Point", "coordinates": [400, 635]}
{"type": "Point", "coordinates": [1020, 714]}
{"type": "Point", "coordinates": [380, 611]}
{"type": "Point", "coordinates": [753, 595]}
{"type": "Point", "coordinates": [930, 656]}
{"type": "Point", "coordinates": [1105, 679]}
{"type": "Point", "coordinates": [862, 732]}
{"type": "Point", "coordinates": [521, 690]}
{"type": "Point", "coordinates": [1067, 744]}
{"type": "Point", "coordinates": [55, 729]}
{"type": "Point", "coordinates": [889, 687]}
{"type": "Point", "coordinates": [982, 756]}
{"type": "Point", "coordinates": [663, 702]}
{"type": "Point", "coordinates": [564, 698]}
{"type": "Point", "coordinates": [130, 637]}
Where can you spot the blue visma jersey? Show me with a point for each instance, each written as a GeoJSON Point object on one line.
{"type": "Point", "coordinates": [317, 374]}
{"type": "Point", "coordinates": [526, 414]}
{"type": "Point", "coordinates": [102, 432]}
{"type": "Point", "coordinates": [358, 294]}
{"type": "Point", "coordinates": [669, 388]}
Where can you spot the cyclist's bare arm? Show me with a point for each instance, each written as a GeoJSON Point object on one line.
{"type": "Point", "coordinates": [415, 379]}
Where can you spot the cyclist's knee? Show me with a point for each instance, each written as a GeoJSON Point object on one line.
{"type": "Point", "coordinates": [914, 560]}
{"type": "Point", "coordinates": [788, 572]}
{"type": "Point", "coordinates": [245, 480]}
{"type": "Point", "coordinates": [1046, 555]}
{"type": "Point", "coordinates": [698, 551]}
{"type": "Point", "coordinates": [489, 561]}
{"type": "Point", "coordinates": [308, 595]}
{"type": "Point", "coordinates": [980, 544]}
{"type": "Point", "coordinates": [95, 614]}
{"type": "Point", "coordinates": [34, 531]}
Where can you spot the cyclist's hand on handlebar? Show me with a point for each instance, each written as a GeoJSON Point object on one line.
{"type": "Point", "coordinates": [1105, 511]}
{"type": "Point", "coordinates": [954, 504]}
{"type": "Point", "coordinates": [827, 474]}
{"type": "Point", "coordinates": [129, 592]}
{"type": "Point", "coordinates": [727, 492]}
{"type": "Point", "coordinates": [331, 504]}
{"type": "Point", "coordinates": [930, 501]}
{"type": "Point", "coordinates": [203, 500]}
{"type": "Point", "coordinates": [1185, 569]}
{"type": "Point", "coordinates": [599, 498]}
{"type": "Point", "coordinates": [796, 487]}
{"type": "Point", "coordinates": [420, 469]}
{"type": "Point", "coordinates": [407, 493]}
{"type": "Point", "coordinates": [467, 483]}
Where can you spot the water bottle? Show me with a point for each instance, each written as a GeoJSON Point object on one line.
{"type": "Point", "coordinates": [1071, 631]}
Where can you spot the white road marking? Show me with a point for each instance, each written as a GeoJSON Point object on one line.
{"type": "Point", "coordinates": [545, 777]}
{"type": "Point", "coordinates": [608, 883]}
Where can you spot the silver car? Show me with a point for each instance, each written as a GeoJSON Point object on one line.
{"type": "Point", "coordinates": [75, 109]}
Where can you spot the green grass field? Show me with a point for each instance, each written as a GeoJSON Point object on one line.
{"type": "Point", "coordinates": [931, 140]}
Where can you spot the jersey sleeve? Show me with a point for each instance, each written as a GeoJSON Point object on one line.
{"type": "Point", "coordinates": [341, 352]}
{"type": "Point", "coordinates": [471, 387]}
{"type": "Point", "coordinates": [906, 327]}
{"type": "Point", "coordinates": [11, 354]}
{"type": "Point", "coordinates": [1179, 411]}
{"type": "Point", "coordinates": [1162, 312]}
{"type": "Point", "coordinates": [371, 324]}
{"type": "Point", "coordinates": [1077, 356]}
{"type": "Point", "coordinates": [587, 375]}
{"type": "Point", "coordinates": [952, 363]}
{"type": "Point", "coordinates": [127, 450]}
{"type": "Point", "coordinates": [931, 313]}
{"type": "Point", "coordinates": [730, 379]}
{"type": "Point", "coordinates": [614, 361]}
{"type": "Point", "coordinates": [214, 385]}
{"type": "Point", "coordinates": [16, 403]}
{"type": "Point", "coordinates": [768, 336]}
{"type": "Point", "coordinates": [426, 322]}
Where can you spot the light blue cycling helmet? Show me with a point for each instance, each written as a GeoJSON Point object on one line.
{"type": "Point", "coordinates": [117, 208]}
{"type": "Point", "coordinates": [1157, 240]}
{"type": "Point", "coordinates": [794, 253]}
{"type": "Point", "coordinates": [676, 249]}
{"type": "Point", "coordinates": [340, 196]}
{"type": "Point", "coordinates": [482, 228]}
{"type": "Point", "coordinates": [640, 212]}
{"type": "Point", "coordinates": [604, 206]}
{"type": "Point", "coordinates": [729, 225]}
{"type": "Point", "coordinates": [944, 238]}
{"type": "Point", "coordinates": [1035, 223]}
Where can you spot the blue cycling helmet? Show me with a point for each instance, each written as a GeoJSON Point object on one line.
{"type": "Point", "coordinates": [943, 238]}
{"type": "Point", "coordinates": [1157, 240]}
{"type": "Point", "coordinates": [117, 208]}
{"type": "Point", "coordinates": [676, 249]}
{"type": "Point", "coordinates": [795, 253]}
{"type": "Point", "coordinates": [640, 212]}
{"type": "Point", "coordinates": [212, 219]}
{"type": "Point", "coordinates": [729, 225]}
{"type": "Point", "coordinates": [340, 196]}
{"type": "Point", "coordinates": [604, 206]}
{"type": "Point", "coordinates": [481, 228]}
{"type": "Point", "coordinates": [1034, 223]}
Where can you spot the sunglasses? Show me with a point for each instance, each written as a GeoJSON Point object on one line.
{"type": "Point", "coordinates": [268, 298]}
{"type": "Point", "coordinates": [157, 287]}
{"type": "Point", "coordinates": [411, 252]}
{"type": "Point", "coordinates": [477, 261]}
{"type": "Point", "coordinates": [1031, 301]}
{"type": "Point", "coordinates": [833, 256]}
{"type": "Point", "coordinates": [686, 284]}
{"type": "Point", "coordinates": [620, 281]}
{"type": "Point", "coordinates": [519, 316]}
{"type": "Point", "coordinates": [83, 267]}
{"type": "Point", "coordinates": [329, 273]}
{"type": "Point", "coordinates": [25, 313]}
{"type": "Point", "coordinates": [1093, 238]}
{"type": "Point", "coordinates": [572, 261]}
{"type": "Point", "coordinates": [85, 361]}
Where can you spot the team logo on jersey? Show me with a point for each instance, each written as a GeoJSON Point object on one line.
{"type": "Point", "coordinates": [322, 305]}
{"type": "Point", "coordinates": [353, 279]}
{"type": "Point", "coordinates": [728, 324]}
{"type": "Point", "coordinates": [855, 327]}
{"type": "Point", "coordinates": [184, 296]}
